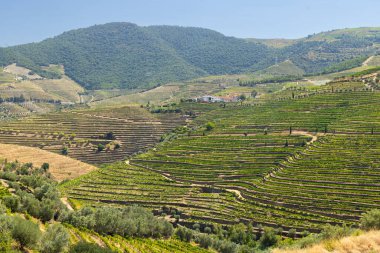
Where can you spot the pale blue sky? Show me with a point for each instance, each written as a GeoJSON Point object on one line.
{"type": "Point", "coordinates": [23, 21]}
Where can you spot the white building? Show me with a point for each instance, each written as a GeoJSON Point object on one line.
{"type": "Point", "coordinates": [209, 99]}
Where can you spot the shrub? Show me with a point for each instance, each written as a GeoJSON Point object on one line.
{"type": "Point", "coordinates": [228, 247]}
{"type": "Point", "coordinates": [207, 230]}
{"type": "Point", "coordinates": [12, 202]}
{"type": "Point", "coordinates": [204, 241]}
{"type": "Point", "coordinates": [269, 238]}
{"type": "Point", "coordinates": [25, 232]}
{"type": "Point", "coordinates": [292, 233]}
{"type": "Point", "coordinates": [110, 136]}
{"type": "Point", "coordinates": [370, 220]}
{"type": "Point", "coordinates": [196, 226]}
{"type": "Point", "coordinates": [47, 210]}
{"type": "Point", "coordinates": [100, 147]}
{"type": "Point", "coordinates": [335, 232]}
{"type": "Point", "coordinates": [184, 234]}
{"type": "Point", "coordinates": [210, 126]}
{"type": "Point", "coordinates": [5, 234]}
{"type": "Point", "coordinates": [55, 240]}
{"type": "Point", "coordinates": [45, 166]}
{"type": "Point", "coordinates": [64, 151]}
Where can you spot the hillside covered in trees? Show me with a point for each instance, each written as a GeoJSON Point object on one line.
{"type": "Point", "coordinates": [124, 55]}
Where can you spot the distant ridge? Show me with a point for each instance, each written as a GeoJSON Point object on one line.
{"type": "Point", "coordinates": [124, 55]}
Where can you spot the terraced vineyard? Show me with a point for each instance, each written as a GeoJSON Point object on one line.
{"type": "Point", "coordinates": [81, 133]}
{"type": "Point", "coordinates": [291, 163]}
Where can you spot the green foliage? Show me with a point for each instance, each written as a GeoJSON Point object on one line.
{"type": "Point", "coordinates": [55, 239]}
{"type": "Point", "coordinates": [335, 232]}
{"type": "Point", "coordinates": [45, 166]}
{"type": "Point", "coordinates": [184, 234]}
{"type": "Point", "coordinates": [269, 238]}
{"type": "Point", "coordinates": [100, 147]}
{"type": "Point", "coordinates": [370, 220]}
{"type": "Point", "coordinates": [12, 202]}
{"type": "Point", "coordinates": [210, 126]}
{"type": "Point", "coordinates": [204, 240]}
{"type": "Point", "coordinates": [128, 221]}
{"type": "Point", "coordinates": [65, 151]}
{"type": "Point", "coordinates": [25, 232]}
{"type": "Point", "coordinates": [347, 64]}
{"type": "Point", "coordinates": [5, 233]}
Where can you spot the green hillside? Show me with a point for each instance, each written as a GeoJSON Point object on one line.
{"type": "Point", "coordinates": [124, 55]}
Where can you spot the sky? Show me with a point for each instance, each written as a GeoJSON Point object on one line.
{"type": "Point", "coordinates": [24, 21]}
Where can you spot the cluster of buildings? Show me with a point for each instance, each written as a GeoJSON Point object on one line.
{"type": "Point", "coordinates": [215, 99]}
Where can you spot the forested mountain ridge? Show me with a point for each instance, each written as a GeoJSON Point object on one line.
{"type": "Point", "coordinates": [124, 55]}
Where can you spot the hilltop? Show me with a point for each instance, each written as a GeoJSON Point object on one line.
{"type": "Point", "coordinates": [125, 55]}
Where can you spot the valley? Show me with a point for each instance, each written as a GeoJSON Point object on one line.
{"type": "Point", "coordinates": [144, 160]}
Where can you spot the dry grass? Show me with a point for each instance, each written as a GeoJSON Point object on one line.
{"type": "Point", "coordinates": [61, 167]}
{"type": "Point", "coordinates": [20, 71]}
{"type": "Point", "coordinates": [364, 243]}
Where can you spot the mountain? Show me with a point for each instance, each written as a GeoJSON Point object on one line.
{"type": "Point", "coordinates": [124, 55]}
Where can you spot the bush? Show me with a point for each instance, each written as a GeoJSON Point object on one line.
{"type": "Point", "coordinates": [55, 240]}
{"type": "Point", "coordinates": [127, 221]}
{"type": "Point", "coordinates": [207, 230]}
{"type": "Point", "coordinates": [184, 234]}
{"type": "Point", "coordinates": [12, 202]}
{"type": "Point", "coordinates": [269, 238]}
{"type": "Point", "coordinates": [370, 220]}
{"type": "Point", "coordinates": [47, 210]}
{"type": "Point", "coordinates": [204, 241]}
{"type": "Point", "coordinates": [210, 126]}
{"type": "Point", "coordinates": [5, 234]}
{"type": "Point", "coordinates": [25, 232]}
{"type": "Point", "coordinates": [45, 166]}
{"type": "Point", "coordinates": [228, 247]}
{"type": "Point", "coordinates": [335, 232]}
{"type": "Point", "coordinates": [64, 151]}
{"type": "Point", "coordinates": [292, 233]}
{"type": "Point", "coordinates": [85, 247]}
{"type": "Point", "coordinates": [100, 147]}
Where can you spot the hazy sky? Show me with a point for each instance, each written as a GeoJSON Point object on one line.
{"type": "Point", "coordinates": [25, 21]}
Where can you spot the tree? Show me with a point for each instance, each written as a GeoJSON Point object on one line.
{"type": "Point", "coordinates": [64, 151]}
{"type": "Point", "coordinates": [110, 136]}
{"type": "Point", "coordinates": [5, 233]}
{"type": "Point", "coordinates": [210, 126]}
{"type": "Point", "coordinates": [25, 232]}
{"type": "Point", "coordinates": [292, 233]}
{"type": "Point", "coordinates": [207, 230]}
{"type": "Point", "coordinates": [45, 166]}
{"type": "Point", "coordinates": [55, 239]}
{"type": "Point", "coordinates": [371, 220]}
{"type": "Point", "coordinates": [269, 238]}
{"type": "Point", "coordinates": [204, 241]}
{"type": "Point", "coordinates": [47, 210]}
{"type": "Point", "coordinates": [12, 202]}
{"type": "Point", "coordinates": [100, 147]}
{"type": "Point", "coordinates": [242, 97]}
